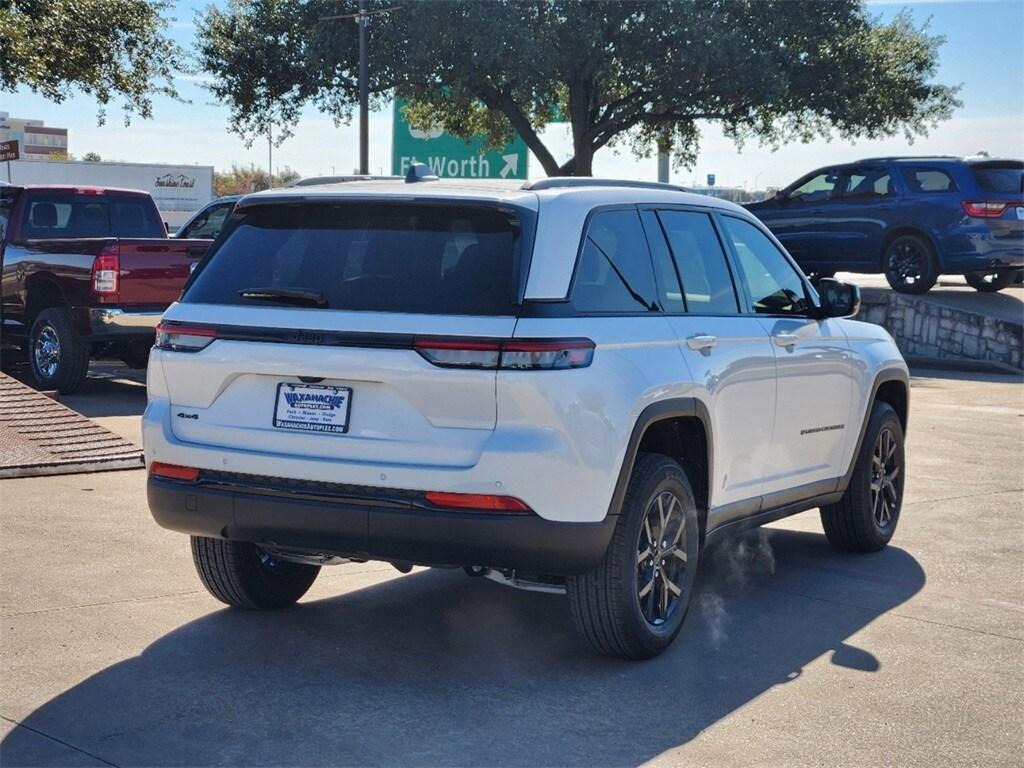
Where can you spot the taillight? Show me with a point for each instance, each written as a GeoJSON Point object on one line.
{"type": "Point", "coordinates": [173, 471]}
{"type": "Point", "coordinates": [985, 210]}
{"type": "Point", "coordinates": [184, 338]}
{"type": "Point", "coordinates": [478, 501]}
{"type": "Point", "coordinates": [508, 354]}
{"type": "Point", "coordinates": [459, 353]}
{"type": "Point", "coordinates": [106, 275]}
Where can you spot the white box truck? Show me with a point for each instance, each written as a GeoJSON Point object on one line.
{"type": "Point", "coordinates": [179, 190]}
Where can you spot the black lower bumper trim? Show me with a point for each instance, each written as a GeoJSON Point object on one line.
{"type": "Point", "coordinates": [367, 529]}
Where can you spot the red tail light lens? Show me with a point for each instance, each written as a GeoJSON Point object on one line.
{"type": "Point", "coordinates": [174, 471]}
{"type": "Point", "coordinates": [508, 354]}
{"type": "Point", "coordinates": [184, 338]}
{"type": "Point", "coordinates": [478, 501]}
{"type": "Point", "coordinates": [106, 275]}
{"type": "Point", "coordinates": [985, 210]}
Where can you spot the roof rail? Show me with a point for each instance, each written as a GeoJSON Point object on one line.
{"type": "Point", "coordinates": [561, 182]}
{"type": "Point", "coordinates": [907, 157]}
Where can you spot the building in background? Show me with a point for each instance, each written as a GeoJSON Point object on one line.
{"type": "Point", "coordinates": [35, 140]}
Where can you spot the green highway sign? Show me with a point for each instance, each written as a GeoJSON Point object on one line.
{"type": "Point", "coordinates": [451, 157]}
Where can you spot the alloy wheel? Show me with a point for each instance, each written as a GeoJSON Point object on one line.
{"type": "Point", "coordinates": [661, 558]}
{"type": "Point", "coordinates": [885, 482]}
{"type": "Point", "coordinates": [908, 262]}
{"type": "Point", "coordinates": [46, 351]}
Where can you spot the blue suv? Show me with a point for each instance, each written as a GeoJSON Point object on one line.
{"type": "Point", "coordinates": [912, 218]}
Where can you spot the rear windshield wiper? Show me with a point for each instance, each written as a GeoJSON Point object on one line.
{"type": "Point", "coordinates": [297, 296]}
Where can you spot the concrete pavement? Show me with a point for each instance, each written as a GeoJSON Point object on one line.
{"type": "Point", "coordinates": [111, 653]}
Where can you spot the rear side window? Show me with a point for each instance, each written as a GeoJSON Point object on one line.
{"type": "Point", "coordinates": [1005, 179]}
{"type": "Point", "coordinates": [774, 285]}
{"type": "Point", "coordinates": [615, 273]}
{"type": "Point", "coordinates": [866, 184]}
{"type": "Point", "coordinates": [6, 207]}
{"type": "Point", "coordinates": [707, 284]}
{"type": "Point", "coordinates": [73, 216]}
{"type": "Point", "coordinates": [928, 180]}
{"type": "Point", "coordinates": [430, 259]}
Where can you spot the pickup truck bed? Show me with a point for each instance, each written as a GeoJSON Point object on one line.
{"type": "Point", "coordinates": [68, 299]}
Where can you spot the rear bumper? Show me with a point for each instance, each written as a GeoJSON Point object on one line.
{"type": "Point", "coordinates": [114, 320]}
{"type": "Point", "coordinates": [374, 524]}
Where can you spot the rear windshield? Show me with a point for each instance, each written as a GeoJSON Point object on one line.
{"type": "Point", "coordinates": [396, 257]}
{"type": "Point", "coordinates": [71, 215]}
{"type": "Point", "coordinates": [1005, 179]}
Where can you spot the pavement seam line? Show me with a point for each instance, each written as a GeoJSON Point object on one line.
{"type": "Point", "coordinates": [895, 613]}
{"type": "Point", "coordinates": [965, 496]}
{"type": "Point", "coordinates": [59, 741]}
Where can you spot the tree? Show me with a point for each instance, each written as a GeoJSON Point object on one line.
{"type": "Point", "coordinates": [241, 180]}
{"type": "Point", "coordinates": [640, 74]}
{"type": "Point", "coordinates": [92, 157]}
{"type": "Point", "coordinates": [105, 48]}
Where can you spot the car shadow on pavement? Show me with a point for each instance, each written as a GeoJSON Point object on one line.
{"type": "Point", "coordinates": [439, 669]}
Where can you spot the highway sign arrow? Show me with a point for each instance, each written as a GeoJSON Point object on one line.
{"type": "Point", "coordinates": [511, 166]}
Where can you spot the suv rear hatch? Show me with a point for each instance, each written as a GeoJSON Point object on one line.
{"type": "Point", "coordinates": [357, 331]}
{"type": "Point", "coordinates": [1001, 200]}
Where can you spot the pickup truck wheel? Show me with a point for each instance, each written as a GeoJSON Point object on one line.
{"type": "Point", "coordinates": [910, 265]}
{"type": "Point", "coordinates": [865, 519]}
{"type": "Point", "coordinates": [633, 604]}
{"type": "Point", "coordinates": [244, 576]}
{"type": "Point", "coordinates": [59, 358]}
{"type": "Point", "coordinates": [990, 282]}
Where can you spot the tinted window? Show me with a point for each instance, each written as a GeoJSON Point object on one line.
{"type": "Point", "coordinates": [434, 259]}
{"type": "Point", "coordinates": [700, 260]}
{"type": "Point", "coordinates": [773, 283]}
{"type": "Point", "coordinates": [815, 189]}
{"type": "Point", "coordinates": [1003, 180]}
{"type": "Point", "coordinates": [209, 223]}
{"type": "Point", "coordinates": [56, 216]}
{"type": "Point", "coordinates": [867, 184]}
{"type": "Point", "coordinates": [928, 180]}
{"type": "Point", "coordinates": [615, 273]}
{"type": "Point", "coordinates": [670, 295]}
{"type": "Point", "coordinates": [6, 206]}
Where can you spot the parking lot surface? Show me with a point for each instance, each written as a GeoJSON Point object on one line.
{"type": "Point", "coordinates": [112, 654]}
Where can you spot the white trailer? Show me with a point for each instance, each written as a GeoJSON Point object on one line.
{"type": "Point", "coordinates": [179, 190]}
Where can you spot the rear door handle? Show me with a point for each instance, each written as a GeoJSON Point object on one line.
{"type": "Point", "coordinates": [786, 339]}
{"type": "Point", "coordinates": [701, 341]}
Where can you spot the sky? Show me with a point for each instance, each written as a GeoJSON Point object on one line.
{"type": "Point", "coordinates": [984, 52]}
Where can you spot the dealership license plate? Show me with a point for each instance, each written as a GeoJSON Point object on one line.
{"type": "Point", "coordinates": [312, 408]}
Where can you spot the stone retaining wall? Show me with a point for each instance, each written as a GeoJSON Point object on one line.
{"type": "Point", "coordinates": [924, 328]}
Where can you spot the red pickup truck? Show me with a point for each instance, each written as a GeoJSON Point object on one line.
{"type": "Point", "coordinates": [86, 272]}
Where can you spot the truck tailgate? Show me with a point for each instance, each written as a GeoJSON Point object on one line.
{"type": "Point", "coordinates": [154, 271]}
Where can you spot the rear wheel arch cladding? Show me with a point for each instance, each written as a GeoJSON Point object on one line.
{"type": "Point", "coordinates": [679, 428]}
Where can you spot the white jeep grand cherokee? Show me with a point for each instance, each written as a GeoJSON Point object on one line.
{"type": "Point", "coordinates": [568, 385]}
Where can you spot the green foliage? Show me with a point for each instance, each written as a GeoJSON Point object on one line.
{"type": "Point", "coordinates": [92, 157]}
{"type": "Point", "coordinates": [623, 73]}
{"type": "Point", "coordinates": [241, 180]}
{"type": "Point", "coordinates": [105, 48]}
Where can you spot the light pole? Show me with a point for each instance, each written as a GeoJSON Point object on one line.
{"type": "Point", "coordinates": [362, 18]}
{"type": "Point", "coordinates": [364, 92]}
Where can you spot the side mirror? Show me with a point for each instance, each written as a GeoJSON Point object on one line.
{"type": "Point", "coordinates": [838, 299]}
{"type": "Point", "coordinates": [167, 227]}
{"type": "Point", "coordinates": [782, 196]}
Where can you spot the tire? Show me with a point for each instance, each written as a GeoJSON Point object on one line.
{"type": "Point", "coordinates": [990, 282]}
{"type": "Point", "coordinates": [863, 521]}
{"type": "Point", "coordinates": [58, 357]}
{"type": "Point", "coordinates": [243, 576]}
{"type": "Point", "coordinates": [606, 603]}
{"type": "Point", "coordinates": [910, 264]}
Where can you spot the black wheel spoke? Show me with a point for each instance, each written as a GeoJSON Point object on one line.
{"type": "Point", "coordinates": [661, 558]}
